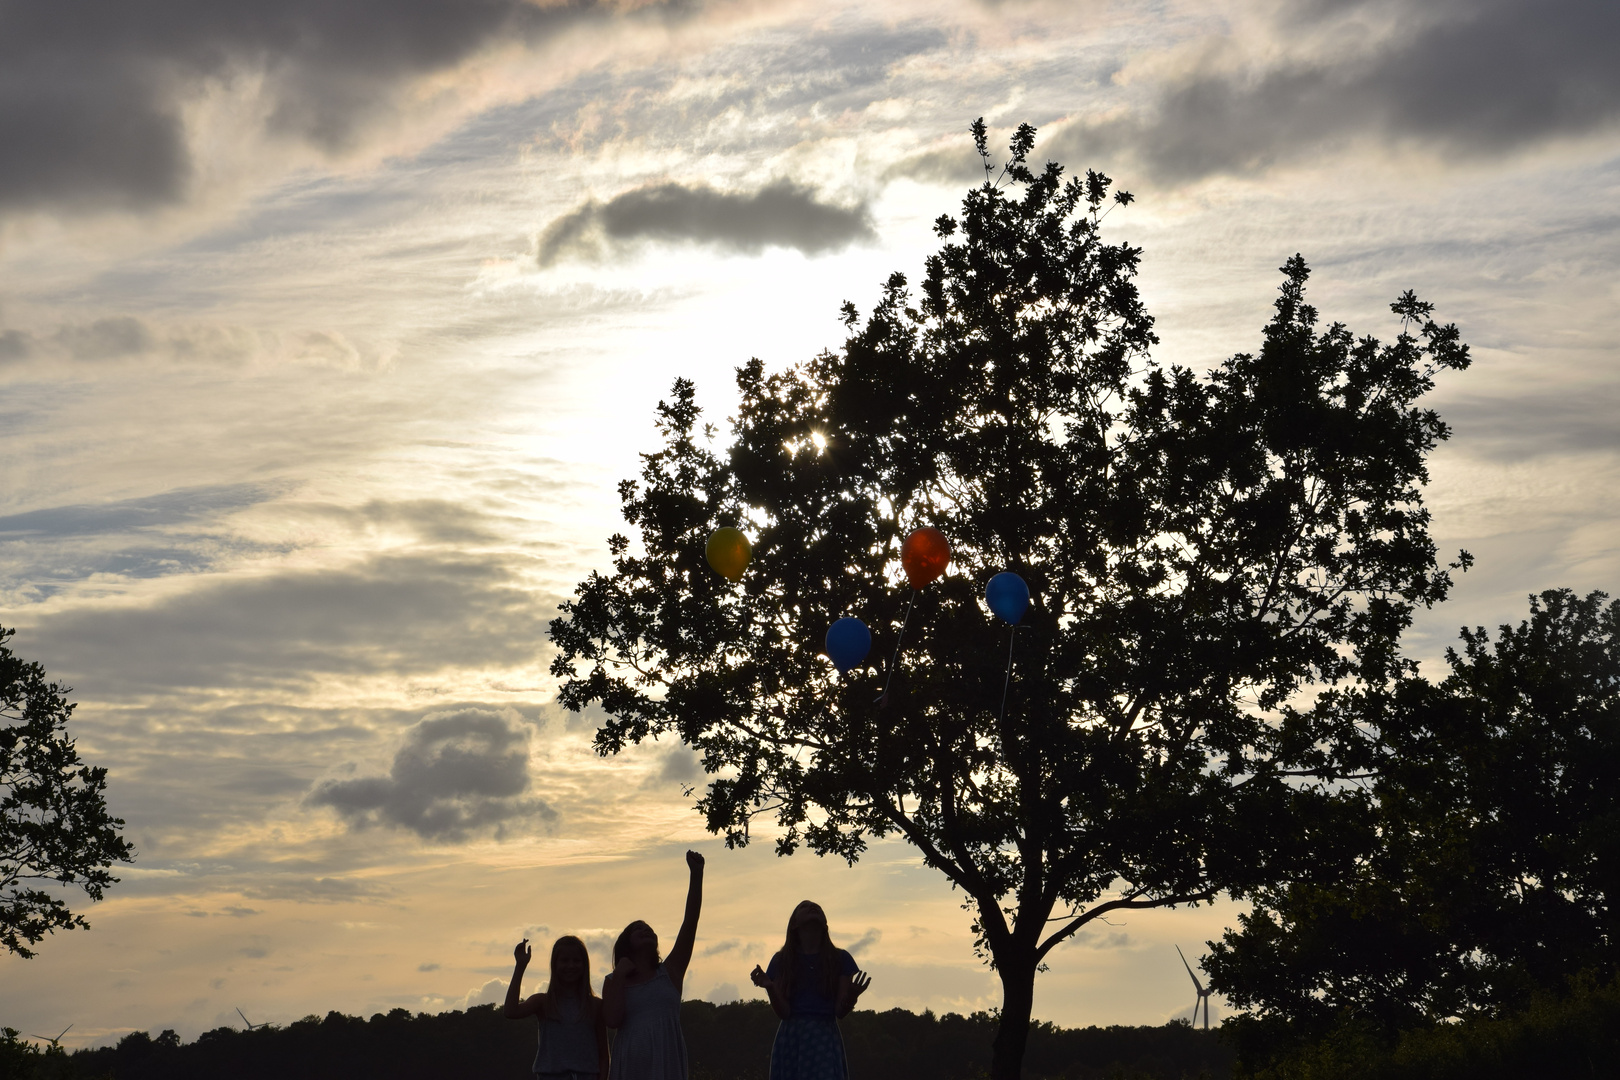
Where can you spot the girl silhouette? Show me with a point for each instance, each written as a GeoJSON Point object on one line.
{"type": "Point", "coordinates": [573, 1037]}
{"type": "Point", "coordinates": [811, 984]}
{"type": "Point", "coordinates": [642, 998]}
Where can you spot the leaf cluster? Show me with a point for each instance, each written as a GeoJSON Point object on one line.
{"type": "Point", "coordinates": [54, 824]}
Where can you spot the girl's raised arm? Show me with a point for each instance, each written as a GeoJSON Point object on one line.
{"type": "Point", "coordinates": [681, 955]}
{"type": "Point", "coordinates": [515, 1008]}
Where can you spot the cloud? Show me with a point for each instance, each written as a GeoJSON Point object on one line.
{"type": "Point", "coordinates": [456, 773]}
{"type": "Point", "coordinates": [436, 521]}
{"type": "Point", "coordinates": [172, 507]}
{"type": "Point", "coordinates": [488, 994]}
{"type": "Point", "coordinates": [118, 339]}
{"type": "Point", "coordinates": [15, 345]}
{"type": "Point", "coordinates": [780, 214]}
{"type": "Point", "coordinates": [395, 614]}
{"type": "Point", "coordinates": [112, 338]}
{"type": "Point", "coordinates": [680, 765]}
{"type": "Point", "coordinates": [94, 94]}
{"type": "Point", "coordinates": [866, 941]}
{"type": "Point", "coordinates": [259, 880]}
{"type": "Point", "coordinates": [427, 967]}
{"type": "Point", "coordinates": [1536, 421]}
{"type": "Point", "coordinates": [1465, 78]}
{"type": "Point", "coordinates": [1099, 939]}
{"type": "Point", "coordinates": [723, 994]}
{"type": "Point", "coordinates": [949, 167]}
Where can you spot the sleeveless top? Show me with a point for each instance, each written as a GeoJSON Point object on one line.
{"type": "Point", "coordinates": [650, 1046]}
{"type": "Point", "coordinates": [568, 1042]}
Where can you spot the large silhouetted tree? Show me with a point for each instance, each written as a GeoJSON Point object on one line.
{"type": "Point", "coordinates": [1202, 548]}
{"type": "Point", "coordinates": [54, 825]}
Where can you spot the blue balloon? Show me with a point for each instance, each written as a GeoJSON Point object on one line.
{"type": "Point", "coordinates": [848, 642]}
{"type": "Point", "coordinates": [1007, 596]}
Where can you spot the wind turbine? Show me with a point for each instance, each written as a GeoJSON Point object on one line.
{"type": "Point", "coordinates": [251, 1025]}
{"type": "Point", "coordinates": [1203, 995]}
{"type": "Point", "coordinates": [56, 1042]}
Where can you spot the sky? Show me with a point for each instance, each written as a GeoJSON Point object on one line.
{"type": "Point", "coordinates": [328, 327]}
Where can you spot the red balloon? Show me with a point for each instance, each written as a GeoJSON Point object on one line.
{"type": "Point", "coordinates": [924, 555]}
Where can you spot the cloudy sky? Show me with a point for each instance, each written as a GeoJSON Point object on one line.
{"type": "Point", "coordinates": [327, 328]}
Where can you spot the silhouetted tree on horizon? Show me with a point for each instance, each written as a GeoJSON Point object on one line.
{"type": "Point", "coordinates": [54, 824]}
{"type": "Point", "coordinates": [1484, 860]}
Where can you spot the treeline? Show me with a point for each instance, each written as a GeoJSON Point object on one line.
{"type": "Point", "coordinates": [726, 1042]}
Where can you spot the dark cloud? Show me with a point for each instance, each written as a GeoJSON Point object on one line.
{"type": "Point", "coordinates": [1462, 77]}
{"type": "Point", "coordinates": [456, 773]}
{"type": "Point", "coordinates": [15, 345]}
{"type": "Point", "coordinates": [111, 338]}
{"type": "Point", "coordinates": [180, 531]}
{"type": "Point", "coordinates": [865, 941]}
{"type": "Point", "coordinates": [401, 615]}
{"type": "Point", "coordinates": [116, 338]}
{"type": "Point", "coordinates": [781, 214]}
{"type": "Point", "coordinates": [92, 92]}
{"type": "Point", "coordinates": [1573, 419]}
{"type": "Point", "coordinates": [172, 507]}
{"type": "Point", "coordinates": [680, 765]}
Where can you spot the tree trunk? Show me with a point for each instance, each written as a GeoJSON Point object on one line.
{"type": "Point", "coordinates": [1017, 1002]}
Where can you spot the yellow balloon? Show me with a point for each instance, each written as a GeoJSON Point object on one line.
{"type": "Point", "coordinates": [729, 553]}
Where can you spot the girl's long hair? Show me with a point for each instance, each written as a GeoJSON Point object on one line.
{"type": "Point", "coordinates": [621, 947]}
{"type": "Point", "coordinates": [790, 955]}
{"type": "Point", "coordinates": [568, 941]}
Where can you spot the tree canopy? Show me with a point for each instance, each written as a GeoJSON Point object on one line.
{"type": "Point", "coordinates": [1201, 548]}
{"type": "Point", "coordinates": [54, 824]}
{"type": "Point", "coordinates": [1486, 854]}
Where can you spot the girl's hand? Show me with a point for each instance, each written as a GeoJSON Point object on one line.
{"type": "Point", "coordinates": [694, 860]}
{"type": "Point", "coordinates": [858, 984]}
{"type": "Point", "coordinates": [522, 953]}
{"type": "Point", "coordinates": [760, 979]}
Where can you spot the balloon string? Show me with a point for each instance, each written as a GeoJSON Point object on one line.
{"type": "Point", "coordinates": [895, 659]}
{"type": "Point", "coordinates": [1001, 718]}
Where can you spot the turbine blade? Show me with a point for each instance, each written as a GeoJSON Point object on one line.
{"type": "Point", "coordinates": [1188, 966]}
